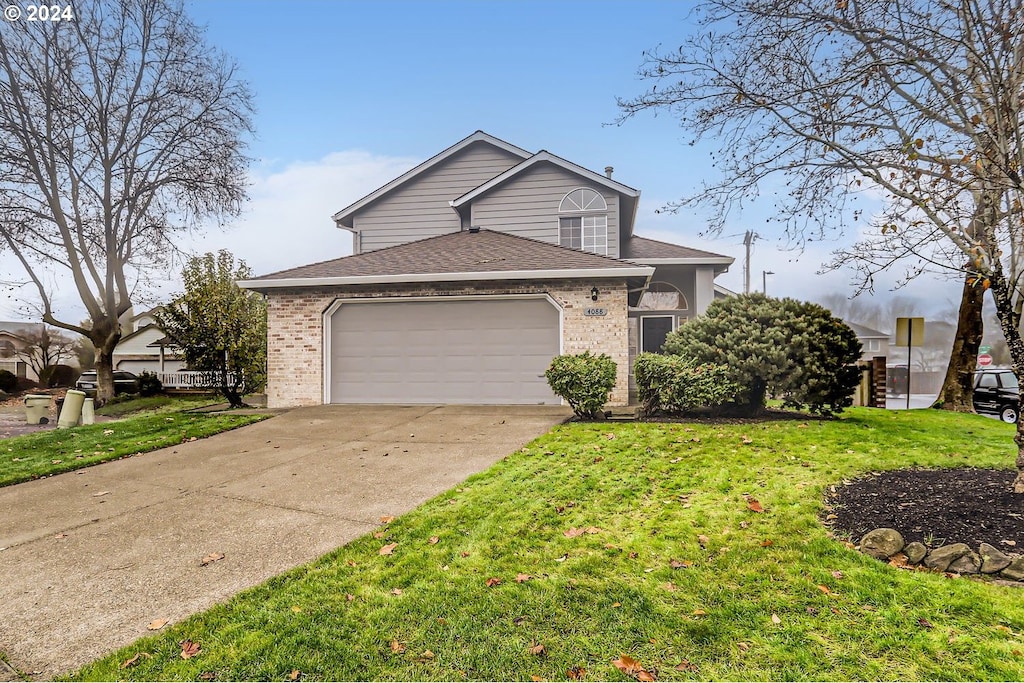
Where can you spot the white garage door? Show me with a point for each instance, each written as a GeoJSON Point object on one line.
{"type": "Point", "coordinates": [468, 351]}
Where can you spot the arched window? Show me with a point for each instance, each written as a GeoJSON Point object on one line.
{"type": "Point", "coordinates": [7, 349]}
{"type": "Point", "coordinates": [588, 229]}
{"type": "Point", "coordinates": [662, 296]}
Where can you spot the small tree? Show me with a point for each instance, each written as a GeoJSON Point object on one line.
{"type": "Point", "coordinates": [44, 347]}
{"type": "Point", "coordinates": [584, 380]}
{"type": "Point", "coordinates": [220, 328]}
{"type": "Point", "coordinates": [783, 346]}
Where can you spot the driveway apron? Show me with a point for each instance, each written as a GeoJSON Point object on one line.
{"type": "Point", "coordinates": [89, 558]}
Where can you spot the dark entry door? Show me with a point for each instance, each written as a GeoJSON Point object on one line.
{"type": "Point", "coordinates": [653, 330]}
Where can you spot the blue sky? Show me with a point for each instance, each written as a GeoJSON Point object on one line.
{"type": "Point", "coordinates": [351, 94]}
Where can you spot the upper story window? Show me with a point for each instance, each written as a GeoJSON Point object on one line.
{"type": "Point", "coordinates": [588, 229]}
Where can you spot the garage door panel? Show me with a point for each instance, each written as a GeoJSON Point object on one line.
{"type": "Point", "coordinates": [470, 351]}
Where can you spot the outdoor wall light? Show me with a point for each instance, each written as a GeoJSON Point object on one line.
{"type": "Point", "coordinates": [593, 293]}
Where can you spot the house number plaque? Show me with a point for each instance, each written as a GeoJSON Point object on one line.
{"type": "Point", "coordinates": [595, 311]}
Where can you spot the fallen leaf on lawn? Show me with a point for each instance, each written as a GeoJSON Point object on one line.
{"type": "Point", "coordinates": [676, 564]}
{"type": "Point", "coordinates": [825, 589]}
{"type": "Point", "coordinates": [563, 558]}
{"type": "Point", "coordinates": [380, 534]}
{"type": "Point", "coordinates": [207, 676]}
{"type": "Point", "coordinates": [295, 675]}
{"type": "Point", "coordinates": [210, 559]}
{"type": "Point", "coordinates": [387, 519]}
{"type": "Point", "coordinates": [616, 604]}
{"type": "Point", "coordinates": [493, 581]}
{"type": "Point", "coordinates": [747, 439]}
{"type": "Point", "coordinates": [576, 673]}
{"type": "Point", "coordinates": [101, 493]}
{"type": "Point", "coordinates": [537, 679]}
{"type": "Point", "coordinates": [744, 647]}
{"type": "Point", "coordinates": [522, 577]}
{"type": "Point", "coordinates": [129, 663]}
{"type": "Point", "coordinates": [425, 657]}
{"type": "Point", "coordinates": [351, 563]}
{"type": "Point", "coordinates": [573, 532]}
{"type": "Point", "coordinates": [433, 540]}
{"type": "Point", "coordinates": [598, 459]}
{"type": "Point", "coordinates": [703, 540]}
{"type": "Point", "coordinates": [670, 587]}
{"type": "Point", "coordinates": [675, 460]}
{"type": "Point", "coordinates": [744, 525]}
{"type": "Point", "coordinates": [296, 609]}
{"type": "Point", "coordinates": [837, 574]}
{"type": "Point", "coordinates": [388, 549]}
{"type": "Point", "coordinates": [698, 613]}
{"type": "Point", "coordinates": [924, 623]}
{"type": "Point", "coordinates": [610, 436]}
{"type": "Point", "coordinates": [157, 624]}
{"type": "Point", "coordinates": [189, 649]}
{"type": "Point", "coordinates": [108, 432]}
{"type": "Point", "coordinates": [767, 542]}
{"type": "Point", "coordinates": [632, 667]}
{"type": "Point", "coordinates": [898, 560]}
{"type": "Point", "coordinates": [518, 621]}
{"type": "Point", "coordinates": [1006, 629]}
{"type": "Point", "coordinates": [633, 556]}
{"type": "Point", "coordinates": [685, 665]}
{"type": "Point", "coordinates": [56, 462]}
{"type": "Point", "coordinates": [463, 554]}
{"type": "Point", "coordinates": [536, 649]}
{"type": "Point", "coordinates": [592, 530]}
{"type": "Point", "coordinates": [775, 619]}
{"type": "Point", "coordinates": [754, 504]}
{"type": "Point", "coordinates": [397, 647]}
{"type": "Point", "coordinates": [350, 597]}
{"type": "Point", "coordinates": [396, 591]}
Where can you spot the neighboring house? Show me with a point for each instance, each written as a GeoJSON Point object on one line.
{"type": "Point", "coordinates": [144, 347]}
{"type": "Point", "coordinates": [873, 343]}
{"type": "Point", "coordinates": [469, 273]}
{"type": "Point", "coordinates": [13, 339]}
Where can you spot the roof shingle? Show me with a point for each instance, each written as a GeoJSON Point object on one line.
{"type": "Point", "coordinates": [643, 248]}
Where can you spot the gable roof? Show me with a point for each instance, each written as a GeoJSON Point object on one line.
{"type": "Point", "coordinates": [865, 332]}
{"type": "Point", "coordinates": [478, 136]}
{"type": "Point", "coordinates": [544, 156]}
{"type": "Point", "coordinates": [19, 328]}
{"type": "Point", "coordinates": [644, 250]}
{"type": "Point", "coordinates": [456, 256]}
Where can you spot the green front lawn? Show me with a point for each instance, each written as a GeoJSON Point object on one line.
{"type": "Point", "coordinates": [626, 539]}
{"type": "Point", "coordinates": [61, 450]}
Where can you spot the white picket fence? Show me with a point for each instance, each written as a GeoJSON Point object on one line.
{"type": "Point", "coordinates": [183, 379]}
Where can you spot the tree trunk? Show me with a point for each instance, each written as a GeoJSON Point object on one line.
{"type": "Point", "coordinates": [104, 337]}
{"type": "Point", "coordinates": [958, 387]}
{"type": "Point", "coordinates": [1010, 326]}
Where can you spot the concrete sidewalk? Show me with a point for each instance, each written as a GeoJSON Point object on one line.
{"type": "Point", "coordinates": [89, 558]}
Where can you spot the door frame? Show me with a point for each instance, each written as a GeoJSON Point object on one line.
{"type": "Point", "coordinates": [671, 317]}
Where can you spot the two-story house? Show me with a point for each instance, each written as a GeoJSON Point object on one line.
{"type": "Point", "coordinates": [469, 273]}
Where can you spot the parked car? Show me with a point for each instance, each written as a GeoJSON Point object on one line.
{"type": "Point", "coordinates": [124, 382]}
{"type": "Point", "coordinates": [996, 393]}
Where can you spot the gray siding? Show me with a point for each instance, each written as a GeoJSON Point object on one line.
{"type": "Point", "coordinates": [420, 209]}
{"type": "Point", "coordinates": [527, 205]}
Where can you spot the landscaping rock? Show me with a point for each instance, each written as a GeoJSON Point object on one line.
{"type": "Point", "coordinates": [968, 564]}
{"type": "Point", "coordinates": [915, 552]}
{"type": "Point", "coordinates": [992, 560]}
{"type": "Point", "coordinates": [941, 558]}
{"type": "Point", "coordinates": [881, 543]}
{"type": "Point", "coordinates": [1015, 570]}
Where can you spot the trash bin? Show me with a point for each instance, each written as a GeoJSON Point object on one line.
{"type": "Point", "coordinates": [88, 412]}
{"type": "Point", "coordinates": [36, 408]}
{"type": "Point", "coordinates": [71, 410]}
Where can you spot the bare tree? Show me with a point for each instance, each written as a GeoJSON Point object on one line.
{"type": "Point", "coordinates": [45, 347]}
{"type": "Point", "coordinates": [119, 129]}
{"type": "Point", "coordinates": [909, 110]}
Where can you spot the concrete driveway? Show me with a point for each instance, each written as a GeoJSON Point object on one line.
{"type": "Point", "coordinates": [89, 558]}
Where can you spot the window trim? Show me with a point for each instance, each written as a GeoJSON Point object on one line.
{"type": "Point", "coordinates": [640, 339]}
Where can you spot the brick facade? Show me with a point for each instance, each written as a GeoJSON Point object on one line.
{"type": "Point", "coordinates": [295, 328]}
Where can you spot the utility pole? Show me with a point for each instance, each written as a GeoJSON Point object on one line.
{"type": "Point", "coordinates": [748, 239]}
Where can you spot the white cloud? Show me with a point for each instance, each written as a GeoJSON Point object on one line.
{"type": "Point", "coordinates": [286, 223]}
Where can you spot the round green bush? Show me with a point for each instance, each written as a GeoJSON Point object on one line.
{"type": "Point", "coordinates": [150, 384]}
{"type": "Point", "coordinates": [8, 381]}
{"type": "Point", "coordinates": [584, 380]}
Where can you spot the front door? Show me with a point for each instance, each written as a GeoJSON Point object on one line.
{"type": "Point", "coordinates": [653, 331]}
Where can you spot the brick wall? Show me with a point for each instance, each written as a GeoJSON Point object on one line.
{"type": "Point", "coordinates": [295, 359]}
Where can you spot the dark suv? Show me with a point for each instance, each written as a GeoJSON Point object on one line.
{"type": "Point", "coordinates": [996, 393]}
{"type": "Point", "coordinates": [124, 382]}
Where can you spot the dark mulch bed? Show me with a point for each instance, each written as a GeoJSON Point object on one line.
{"type": "Point", "coordinates": [957, 505]}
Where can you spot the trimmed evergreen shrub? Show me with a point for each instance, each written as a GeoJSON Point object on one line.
{"type": "Point", "coordinates": [674, 384]}
{"type": "Point", "coordinates": [149, 384]}
{"type": "Point", "coordinates": [793, 349]}
{"type": "Point", "coordinates": [8, 381]}
{"type": "Point", "coordinates": [58, 376]}
{"type": "Point", "coordinates": [584, 380]}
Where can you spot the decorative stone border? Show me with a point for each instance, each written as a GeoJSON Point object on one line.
{"type": "Point", "coordinates": [958, 558]}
